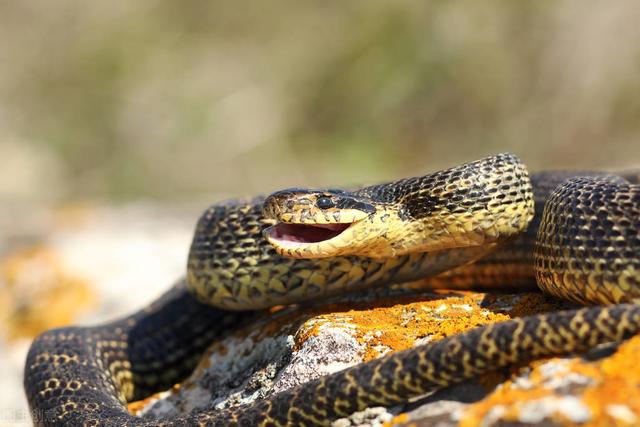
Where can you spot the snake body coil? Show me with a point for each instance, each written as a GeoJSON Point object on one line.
{"type": "Point", "coordinates": [582, 246]}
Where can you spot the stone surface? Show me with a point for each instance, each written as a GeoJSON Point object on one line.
{"type": "Point", "coordinates": [39, 294]}
{"type": "Point", "coordinates": [599, 388]}
{"type": "Point", "coordinates": [293, 345]}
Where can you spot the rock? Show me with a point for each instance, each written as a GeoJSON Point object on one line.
{"type": "Point", "coordinates": [598, 388]}
{"type": "Point", "coordinates": [294, 345]}
{"type": "Point", "coordinates": [37, 293]}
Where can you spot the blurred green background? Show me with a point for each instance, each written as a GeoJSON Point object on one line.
{"type": "Point", "coordinates": [121, 100]}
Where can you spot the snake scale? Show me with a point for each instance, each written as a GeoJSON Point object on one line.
{"type": "Point", "coordinates": [576, 234]}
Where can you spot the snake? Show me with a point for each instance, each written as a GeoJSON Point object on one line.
{"type": "Point", "coordinates": [575, 235]}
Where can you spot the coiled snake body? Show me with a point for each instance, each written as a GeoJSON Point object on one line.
{"type": "Point", "coordinates": [306, 244]}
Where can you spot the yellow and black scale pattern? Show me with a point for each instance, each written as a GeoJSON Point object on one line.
{"type": "Point", "coordinates": [582, 246]}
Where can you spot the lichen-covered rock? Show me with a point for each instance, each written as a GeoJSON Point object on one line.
{"type": "Point", "coordinates": [601, 388]}
{"type": "Point", "coordinates": [293, 345]}
{"type": "Point", "coordinates": [37, 293]}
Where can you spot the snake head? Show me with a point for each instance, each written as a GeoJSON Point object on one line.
{"type": "Point", "coordinates": [314, 223]}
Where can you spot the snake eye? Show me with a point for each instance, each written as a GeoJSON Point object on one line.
{"type": "Point", "coordinates": [324, 202]}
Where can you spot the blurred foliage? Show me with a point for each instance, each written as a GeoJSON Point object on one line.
{"type": "Point", "coordinates": [120, 100]}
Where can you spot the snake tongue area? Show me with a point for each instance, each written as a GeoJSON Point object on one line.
{"type": "Point", "coordinates": [306, 233]}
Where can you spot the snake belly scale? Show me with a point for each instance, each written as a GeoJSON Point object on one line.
{"type": "Point", "coordinates": [582, 244]}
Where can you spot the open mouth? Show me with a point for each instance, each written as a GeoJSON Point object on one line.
{"type": "Point", "coordinates": [306, 233]}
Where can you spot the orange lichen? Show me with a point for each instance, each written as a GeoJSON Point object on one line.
{"type": "Point", "coordinates": [611, 395]}
{"type": "Point", "coordinates": [397, 325]}
{"type": "Point", "coordinates": [38, 294]}
{"type": "Point", "coordinates": [617, 386]}
{"type": "Point", "coordinates": [509, 400]}
{"type": "Point", "coordinates": [392, 324]}
{"type": "Point", "coordinates": [401, 419]}
{"type": "Point", "coordinates": [135, 408]}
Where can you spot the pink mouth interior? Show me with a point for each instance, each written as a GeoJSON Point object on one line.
{"type": "Point", "coordinates": [306, 233]}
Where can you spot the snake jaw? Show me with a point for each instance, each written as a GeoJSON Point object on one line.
{"type": "Point", "coordinates": [297, 240]}
{"type": "Point", "coordinates": [314, 223]}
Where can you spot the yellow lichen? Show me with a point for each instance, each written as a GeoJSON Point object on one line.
{"type": "Point", "coordinates": [393, 325]}
{"type": "Point", "coordinates": [399, 323]}
{"type": "Point", "coordinates": [617, 385]}
{"type": "Point", "coordinates": [401, 419]}
{"type": "Point", "coordinates": [136, 408]}
{"type": "Point", "coordinates": [612, 395]}
{"type": "Point", "coordinates": [38, 294]}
